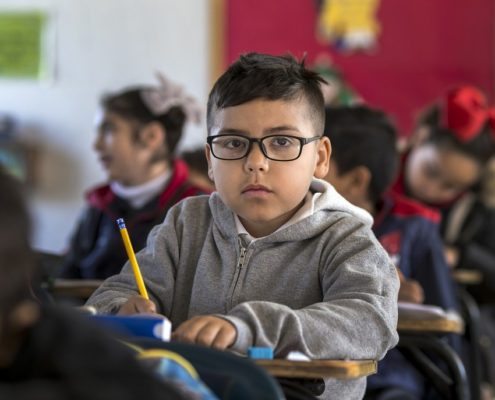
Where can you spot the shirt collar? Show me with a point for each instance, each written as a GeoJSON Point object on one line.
{"type": "Point", "coordinates": [306, 210]}
{"type": "Point", "coordinates": [139, 195]}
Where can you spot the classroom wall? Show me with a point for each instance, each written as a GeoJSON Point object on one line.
{"type": "Point", "coordinates": [423, 47]}
{"type": "Point", "coordinates": [100, 46]}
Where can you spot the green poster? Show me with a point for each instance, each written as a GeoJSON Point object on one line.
{"type": "Point", "coordinates": [21, 45]}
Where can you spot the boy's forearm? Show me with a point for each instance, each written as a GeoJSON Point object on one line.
{"type": "Point", "coordinates": [107, 301]}
{"type": "Point", "coordinates": [113, 293]}
{"type": "Point", "coordinates": [341, 329]}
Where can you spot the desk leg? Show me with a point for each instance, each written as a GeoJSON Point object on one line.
{"type": "Point", "coordinates": [413, 347]}
{"type": "Point", "coordinates": [472, 317]}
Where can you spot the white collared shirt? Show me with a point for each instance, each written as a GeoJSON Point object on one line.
{"type": "Point", "coordinates": [306, 210]}
{"type": "Point", "coordinates": [139, 195]}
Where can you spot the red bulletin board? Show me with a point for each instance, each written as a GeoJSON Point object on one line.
{"type": "Point", "coordinates": [424, 47]}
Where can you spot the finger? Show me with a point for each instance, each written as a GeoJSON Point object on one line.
{"type": "Point", "coordinates": [225, 337]}
{"type": "Point", "coordinates": [144, 306]}
{"type": "Point", "coordinates": [419, 294]}
{"type": "Point", "coordinates": [188, 330]}
{"type": "Point", "coordinates": [128, 308]}
{"type": "Point", "coordinates": [208, 333]}
{"type": "Point", "coordinates": [177, 332]}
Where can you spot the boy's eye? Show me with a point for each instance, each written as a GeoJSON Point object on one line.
{"type": "Point", "coordinates": [106, 128]}
{"type": "Point", "coordinates": [281, 141]}
{"type": "Point", "coordinates": [234, 143]}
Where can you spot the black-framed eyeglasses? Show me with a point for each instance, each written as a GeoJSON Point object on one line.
{"type": "Point", "coordinates": [273, 147]}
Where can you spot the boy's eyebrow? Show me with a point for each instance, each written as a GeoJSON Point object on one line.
{"type": "Point", "coordinates": [231, 131]}
{"type": "Point", "coordinates": [269, 131]}
{"type": "Point", "coordinates": [104, 124]}
{"type": "Point", "coordinates": [283, 128]}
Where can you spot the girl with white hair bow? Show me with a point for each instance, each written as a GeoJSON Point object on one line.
{"type": "Point", "coordinates": [137, 133]}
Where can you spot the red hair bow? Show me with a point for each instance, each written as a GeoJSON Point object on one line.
{"type": "Point", "coordinates": [466, 111]}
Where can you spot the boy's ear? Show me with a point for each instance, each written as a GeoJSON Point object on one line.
{"type": "Point", "coordinates": [323, 153]}
{"type": "Point", "coordinates": [208, 158]}
{"type": "Point", "coordinates": [359, 179]}
{"type": "Point", "coordinates": [152, 135]}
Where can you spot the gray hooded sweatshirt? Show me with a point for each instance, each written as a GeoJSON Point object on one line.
{"type": "Point", "coordinates": [322, 286]}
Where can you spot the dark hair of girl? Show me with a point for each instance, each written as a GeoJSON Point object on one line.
{"type": "Point", "coordinates": [480, 148]}
{"type": "Point", "coordinates": [129, 104]}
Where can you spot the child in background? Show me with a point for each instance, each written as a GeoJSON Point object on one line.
{"type": "Point", "coordinates": [275, 257]}
{"type": "Point", "coordinates": [362, 169]}
{"type": "Point", "coordinates": [198, 168]}
{"type": "Point", "coordinates": [138, 131]}
{"type": "Point", "coordinates": [450, 148]}
{"type": "Point", "coordinates": [47, 353]}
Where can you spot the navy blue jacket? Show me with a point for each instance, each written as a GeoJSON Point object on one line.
{"type": "Point", "coordinates": [96, 249]}
{"type": "Point", "coordinates": [409, 232]}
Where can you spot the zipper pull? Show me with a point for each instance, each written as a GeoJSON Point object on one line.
{"type": "Point", "coordinates": [242, 257]}
{"type": "Point", "coordinates": [242, 253]}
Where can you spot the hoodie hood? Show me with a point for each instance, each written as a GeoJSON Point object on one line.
{"type": "Point", "coordinates": [330, 207]}
{"type": "Point", "coordinates": [331, 200]}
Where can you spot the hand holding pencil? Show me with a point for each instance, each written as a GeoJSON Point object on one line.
{"type": "Point", "coordinates": [132, 259]}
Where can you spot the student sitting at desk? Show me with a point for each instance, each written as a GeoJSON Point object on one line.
{"type": "Point", "coordinates": [138, 130]}
{"type": "Point", "coordinates": [50, 354]}
{"type": "Point", "coordinates": [276, 257]}
{"type": "Point", "coordinates": [364, 165]}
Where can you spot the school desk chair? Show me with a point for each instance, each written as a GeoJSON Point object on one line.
{"type": "Point", "coordinates": [420, 341]}
{"type": "Point", "coordinates": [471, 314]}
{"type": "Point", "coordinates": [229, 376]}
{"type": "Point", "coordinates": [49, 264]}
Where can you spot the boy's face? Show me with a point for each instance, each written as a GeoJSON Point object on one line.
{"type": "Point", "coordinates": [435, 175]}
{"type": "Point", "coordinates": [124, 159]}
{"type": "Point", "coordinates": [262, 192]}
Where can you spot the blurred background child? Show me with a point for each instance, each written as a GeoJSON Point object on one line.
{"type": "Point", "coordinates": [363, 166]}
{"type": "Point", "coordinates": [47, 353]}
{"type": "Point", "coordinates": [137, 133]}
{"type": "Point", "coordinates": [448, 153]}
{"type": "Point", "coordinates": [198, 168]}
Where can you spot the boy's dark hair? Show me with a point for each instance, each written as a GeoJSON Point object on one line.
{"type": "Point", "coordinates": [129, 105]}
{"type": "Point", "coordinates": [262, 76]}
{"type": "Point", "coordinates": [17, 260]}
{"type": "Point", "coordinates": [196, 160]}
{"type": "Point", "coordinates": [362, 136]}
{"type": "Point", "coordinates": [481, 148]}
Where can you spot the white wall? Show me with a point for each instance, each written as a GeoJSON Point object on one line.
{"type": "Point", "coordinates": [101, 45]}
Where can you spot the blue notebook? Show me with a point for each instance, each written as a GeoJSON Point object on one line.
{"type": "Point", "coordinates": [142, 325]}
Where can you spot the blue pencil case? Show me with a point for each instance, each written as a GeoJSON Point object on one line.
{"type": "Point", "coordinates": [141, 325]}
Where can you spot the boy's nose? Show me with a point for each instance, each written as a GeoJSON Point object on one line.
{"type": "Point", "coordinates": [97, 142]}
{"type": "Point", "coordinates": [256, 160]}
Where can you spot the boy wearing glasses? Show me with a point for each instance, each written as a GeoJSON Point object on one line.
{"type": "Point", "coordinates": [275, 257]}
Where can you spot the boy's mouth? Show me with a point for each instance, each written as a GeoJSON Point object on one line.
{"type": "Point", "coordinates": [105, 161]}
{"type": "Point", "coordinates": [256, 189]}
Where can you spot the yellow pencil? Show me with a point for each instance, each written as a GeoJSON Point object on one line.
{"type": "Point", "coordinates": [132, 258]}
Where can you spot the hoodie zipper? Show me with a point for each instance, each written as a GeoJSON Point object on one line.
{"type": "Point", "coordinates": [240, 264]}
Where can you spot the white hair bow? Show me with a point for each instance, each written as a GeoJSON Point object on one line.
{"type": "Point", "coordinates": [168, 94]}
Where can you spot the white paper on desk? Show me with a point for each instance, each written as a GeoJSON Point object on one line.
{"type": "Point", "coordinates": [297, 356]}
{"type": "Point", "coordinates": [426, 311]}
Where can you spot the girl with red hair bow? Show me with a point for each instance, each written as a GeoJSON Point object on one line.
{"type": "Point", "coordinates": [445, 167]}
{"type": "Point", "coordinates": [453, 141]}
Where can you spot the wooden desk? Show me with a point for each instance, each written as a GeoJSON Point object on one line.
{"type": "Point", "coordinates": [467, 276]}
{"type": "Point", "coordinates": [420, 330]}
{"type": "Point", "coordinates": [80, 288]}
{"type": "Point", "coordinates": [428, 319]}
{"type": "Point", "coordinates": [339, 369]}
